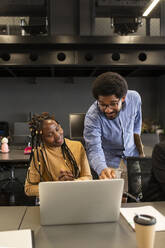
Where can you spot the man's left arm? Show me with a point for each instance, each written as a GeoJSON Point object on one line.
{"type": "Point", "coordinates": [139, 144]}
{"type": "Point", "coordinates": [137, 127]}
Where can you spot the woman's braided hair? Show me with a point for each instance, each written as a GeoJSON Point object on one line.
{"type": "Point", "coordinates": [37, 144]}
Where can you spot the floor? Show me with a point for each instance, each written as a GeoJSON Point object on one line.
{"type": "Point", "coordinates": [12, 193]}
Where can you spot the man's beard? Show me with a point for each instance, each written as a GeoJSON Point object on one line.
{"type": "Point", "coordinates": [112, 116]}
{"type": "Point", "coordinates": [115, 113]}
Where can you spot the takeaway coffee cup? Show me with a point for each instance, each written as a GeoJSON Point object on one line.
{"type": "Point", "coordinates": [145, 231]}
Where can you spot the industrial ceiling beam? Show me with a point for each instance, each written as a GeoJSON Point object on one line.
{"type": "Point", "coordinates": [56, 55]}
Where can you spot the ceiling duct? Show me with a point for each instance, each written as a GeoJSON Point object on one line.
{"type": "Point", "coordinates": [60, 56]}
{"type": "Point", "coordinates": [126, 25]}
{"type": "Point", "coordinates": [126, 15]}
{"type": "Point", "coordinates": [36, 26]}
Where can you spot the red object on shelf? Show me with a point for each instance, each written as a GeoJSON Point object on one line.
{"type": "Point", "coordinates": [27, 150]}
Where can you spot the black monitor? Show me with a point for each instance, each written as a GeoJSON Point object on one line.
{"type": "Point", "coordinates": [76, 125]}
{"type": "Point", "coordinates": [4, 129]}
{"type": "Point", "coordinates": [21, 134]}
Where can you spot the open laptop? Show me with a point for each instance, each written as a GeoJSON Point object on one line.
{"type": "Point", "coordinates": [75, 202]}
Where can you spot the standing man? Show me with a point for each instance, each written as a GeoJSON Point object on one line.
{"type": "Point", "coordinates": [112, 125]}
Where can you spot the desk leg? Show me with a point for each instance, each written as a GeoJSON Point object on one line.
{"type": "Point", "coordinates": [10, 182]}
{"type": "Point", "coordinates": [11, 179]}
{"type": "Point", "coordinates": [14, 179]}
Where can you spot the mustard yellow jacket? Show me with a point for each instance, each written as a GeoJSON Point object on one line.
{"type": "Point", "coordinates": [55, 162]}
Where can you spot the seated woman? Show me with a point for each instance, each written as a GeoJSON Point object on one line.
{"type": "Point", "coordinates": [53, 158]}
{"type": "Point", "coordinates": [156, 187]}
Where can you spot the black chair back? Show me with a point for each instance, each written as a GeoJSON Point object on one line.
{"type": "Point", "coordinates": [139, 173]}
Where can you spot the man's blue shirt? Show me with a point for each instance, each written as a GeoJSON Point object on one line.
{"type": "Point", "coordinates": [107, 141]}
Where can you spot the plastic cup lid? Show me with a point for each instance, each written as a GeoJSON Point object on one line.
{"type": "Point", "coordinates": [144, 219]}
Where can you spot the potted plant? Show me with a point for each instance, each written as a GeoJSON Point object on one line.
{"type": "Point", "coordinates": [149, 136]}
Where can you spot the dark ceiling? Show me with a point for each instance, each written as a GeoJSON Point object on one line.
{"type": "Point", "coordinates": [71, 71]}
{"type": "Point", "coordinates": [128, 8]}
{"type": "Point", "coordinates": [74, 56]}
{"type": "Point", "coordinates": [103, 8]}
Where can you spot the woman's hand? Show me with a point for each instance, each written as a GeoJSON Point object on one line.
{"type": "Point", "coordinates": [66, 176]}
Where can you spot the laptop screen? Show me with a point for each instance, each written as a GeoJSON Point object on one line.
{"type": "Point", "coordinates": [74, 202]}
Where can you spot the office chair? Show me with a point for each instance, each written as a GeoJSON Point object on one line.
{"type": "Point", "coordinates": [12, 184]}
{"type": "Point", "coordinates": [139, 173]}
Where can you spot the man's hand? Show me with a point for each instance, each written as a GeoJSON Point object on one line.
{"type": "Point", "coordinates": [142, 155]}
{"type": "Point", "coordinates": [66, 176]}
{"type": "Point", "coordinates": [107, 173]}
{"type": "Point", "coordinates": [139, 145]}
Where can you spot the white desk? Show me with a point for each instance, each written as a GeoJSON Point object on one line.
{"type": "Point", "coordinates": [11, 217]}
